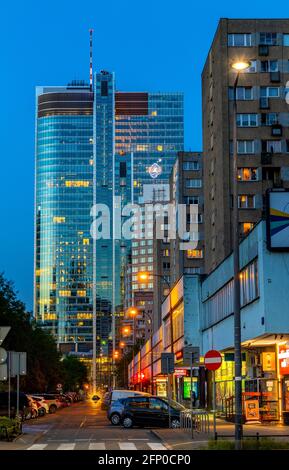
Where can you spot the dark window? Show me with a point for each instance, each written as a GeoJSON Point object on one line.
{"type": "Point", "coordinates": [122, 169]}
{"type": "Point", "coordinates": [138, 402]}
{"type": "Point", "coordinates": [156, 404]}
{"type": "Point", "coordinates": [104, 88]}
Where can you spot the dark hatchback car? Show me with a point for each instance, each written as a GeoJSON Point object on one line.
{"type": "Point", "coordinates": [24, 405]}
{"type": "Point", "coordinates": [150, 411]}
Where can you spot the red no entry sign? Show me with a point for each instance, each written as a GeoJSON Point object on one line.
{"type": "Point", "coordinates": [213, 360]}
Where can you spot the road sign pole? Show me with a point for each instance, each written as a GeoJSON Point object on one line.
{"type": "Point", "coordinates": [214, 403]}
{"type": "Point", "coordinates": [191, 365]}
{"type": "Point", "coordinates": [18, 385]}
{"type": "Point", "coordinates": [169, 392]}
{"type": "Point", "coordinates": [9, 384]}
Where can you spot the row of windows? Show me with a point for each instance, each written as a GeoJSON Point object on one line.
{"type": "Point", "coordinates": [220, 305]}
{"type": "Point", "coordinates": [249, 147]}
{"type": "Point", "coordinates": [268, 39]}
{"type": "Point", "coordinates": [246, 93]}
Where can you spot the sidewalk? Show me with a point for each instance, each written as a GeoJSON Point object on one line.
{"type": "Point", "coordinates": [177, 439]}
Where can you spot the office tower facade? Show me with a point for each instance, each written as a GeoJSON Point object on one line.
{"type": "Point", "coordinates": [151, 127]}
{"type": "Point", "coordinates": [262, 126]}
{"type": "Point", "coordinates": [93, 146]}
{"type": "Point", "coordinates": [64, 182]}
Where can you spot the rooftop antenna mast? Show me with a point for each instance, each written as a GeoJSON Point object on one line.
{"type": "Point", "coordinates": [90, 58]}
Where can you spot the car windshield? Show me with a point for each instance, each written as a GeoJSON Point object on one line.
{"type": "Point", "coordinates": [174, 404]}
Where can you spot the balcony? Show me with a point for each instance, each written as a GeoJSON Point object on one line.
{"type": "Point", "coordinates": [264, 103]}
{"type": "Point", "coordinates": [275, 77]}
{"type": "Point", "coordinates": [276, 130]}
{"type": "Point", "coordinates": [266, 158]}
{"type": "Point", "coordinates": [263, 50]}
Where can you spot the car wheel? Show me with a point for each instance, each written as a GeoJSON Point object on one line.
{"type": "Point", "coordinates": [175, 423]}
{"type": "Point", "coordinates": [127, 422]}
{"type": "Point", "coordinates": [115, 419]}
{"type": "Point", "coordinates": [52, 409]}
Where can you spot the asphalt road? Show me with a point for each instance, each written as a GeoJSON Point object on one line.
{"type": "Point", "coordinates": [83, 426]}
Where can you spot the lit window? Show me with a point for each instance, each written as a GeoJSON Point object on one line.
{"type": "Point", "coordinates": [85, 241]}
{"type": "Point", "coordinates": [77, 184]}
{"type": "Point", "coordinates": [246, 201]}
{"type": "Point", "coordinates": [81, 293]}
{"type": "Point", "coordinates": [64, 293]}
{"type": "Point", "coordinates": [246, 227]}
{"type": "Point", "coordinates": [247, 174]}
{"type": "Point", "coordinates": [159, 148]}
{"type": "Point", "coordinates": [154, 113]}
{"type": "Point", "coordinates": [194, 253]}
{"type": "Point", "coordinates": [58, 220]}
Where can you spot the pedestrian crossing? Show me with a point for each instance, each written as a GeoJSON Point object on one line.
{"type": "Point", "coordinates": [119, 445]}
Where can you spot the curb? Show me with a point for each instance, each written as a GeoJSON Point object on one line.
{"type": "Point", "coordinates": [156, 434]}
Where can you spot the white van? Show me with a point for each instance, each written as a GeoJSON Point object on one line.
{"type": "Point", "coordinates": [117, 394]}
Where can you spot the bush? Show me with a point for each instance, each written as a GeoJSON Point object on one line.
{"type": "Point", "coordinates": [264, 443]}
{"type": "Point", "coordinates": [9, 428]}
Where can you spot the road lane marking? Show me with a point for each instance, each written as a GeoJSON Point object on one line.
{"type": "Point", "coordinates": [96, 446]}
{"type": "Point", "coordinates": [37, 447]}
{"type": "Point", "coordinates": [69, 446]}
{"type": "Point", "coordinates": [156, 446]}
{"type": "Point", "coordinates": [137, 439]}
{"type": "Point", "coordinates": [127, 446]}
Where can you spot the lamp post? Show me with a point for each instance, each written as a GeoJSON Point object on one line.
{"type": "Point", "coordinates": [144, 276]}
{"type": "Point", "coordinates": [238, 66]}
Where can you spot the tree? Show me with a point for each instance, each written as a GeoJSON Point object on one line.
{"type": "Point", "coordinates": [43, 360]}
{"type": "Point", "coordinates": [74, 373]}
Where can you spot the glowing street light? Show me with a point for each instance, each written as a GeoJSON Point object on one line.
{"type": "Point", "coordinates": [241, 65]}
{"type": "Point", "coordinates": [238, 66]}
{"type": "Point", "coordinates": [126, 330]}
{"type": "Point", "coordinates": [143, 276]}
{"type": "Point", "coordinates": [132, 311]}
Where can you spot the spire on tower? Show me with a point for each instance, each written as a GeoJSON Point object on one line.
{"type": "Point", "coordinates": [90, 58]}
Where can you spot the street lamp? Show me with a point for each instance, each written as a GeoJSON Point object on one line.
{"type": "Point", "coordinates": [238, 66]}
{"type": "Point", "coordinates": [142, 277]}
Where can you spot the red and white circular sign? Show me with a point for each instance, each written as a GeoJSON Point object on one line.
{"type": "Point", "coordinates": [213, 360]}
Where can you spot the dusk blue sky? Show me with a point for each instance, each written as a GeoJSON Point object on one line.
{"type": "Point", "coordinates": [154, 45]}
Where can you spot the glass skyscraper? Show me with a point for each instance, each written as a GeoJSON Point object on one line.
{"type": "Point", "coordinates": [93, 146]}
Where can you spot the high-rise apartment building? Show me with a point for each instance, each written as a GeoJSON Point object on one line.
{"type": "Point", "coordinates": [262, 126]}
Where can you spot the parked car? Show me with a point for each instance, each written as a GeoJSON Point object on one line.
{"type": "Point", "coordinates": [52, 401]}
{"type": "Point", "coordinates": [43, 407]}
{"type": "Point", "coordinates": [150, 411]}
{"type": "Point", "coordinates": [34, 408]}
{"type": "Point", "coordinates": [116, 407]}
{"type": "Point", "coordinates": [25, 411]}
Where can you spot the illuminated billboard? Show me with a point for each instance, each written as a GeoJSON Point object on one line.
{"type": "Point", "coordinates": [278, 220]}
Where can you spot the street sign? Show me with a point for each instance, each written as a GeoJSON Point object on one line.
{"type": "Point", "coordinates": [191, 354]}
{"type": "Point", "coordinates": [213, 360]}
{"type": "Point", "coordinates": [167, 363]}
{"type": "Point", "coordinates": [3, 355]}
{"type": "Point", "coordinates": [18, 363]}
{"type": "Point", "coordinates": [3, 372]}
{"type": "Point", "coordinates": [4, 330]}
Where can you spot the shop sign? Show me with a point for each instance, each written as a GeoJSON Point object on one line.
{"type": "Point", "coordinates": [268, 361]}
{"type": "Point", "coordinates": [283, 357]}
{"type": "Point", "coordinates": [181, 372]}
{"type": "Point", "coordinates": [179, 355]}
{"type": "Point", "coordinates": [252, 412]}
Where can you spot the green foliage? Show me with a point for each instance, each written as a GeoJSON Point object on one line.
{"type": "Point", "coordinates": [264, 443]}
{"type": "Point", "coordinates": [74, 373]}
{"type": "Point", "coordinates": [9, 428]}
{"type": "Point", "coordinates": [43, 360]}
